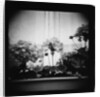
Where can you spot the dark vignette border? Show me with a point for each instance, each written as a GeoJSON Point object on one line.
{"type": "Point", "coordinates": [12, 7]}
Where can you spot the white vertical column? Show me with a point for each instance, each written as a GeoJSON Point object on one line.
{"type": "Point", "coordinates": [46, 24]}
{"type": "Point", "coordinates": [51, 23]}
{"type": "Point", "coordinates": [57, 24]}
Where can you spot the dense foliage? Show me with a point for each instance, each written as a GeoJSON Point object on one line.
{"type": "Point", "coordinates": [26, 59]}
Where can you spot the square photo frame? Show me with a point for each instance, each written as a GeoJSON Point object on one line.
{"type": "Point", "coordinates": [49, 48]}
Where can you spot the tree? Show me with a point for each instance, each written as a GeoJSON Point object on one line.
{"type": "Point", "coordinates": [54, 45]}
{"type": "Point", "coordinates": [82, 33]}
{"type": "Point", "coordinates": [21, 52]}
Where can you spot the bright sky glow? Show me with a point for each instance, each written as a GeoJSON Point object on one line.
{"type": "Point", "coordinates": [38, 26]}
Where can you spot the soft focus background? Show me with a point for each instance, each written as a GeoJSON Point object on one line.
{"type": "Point", "coordinates": [40, 26]}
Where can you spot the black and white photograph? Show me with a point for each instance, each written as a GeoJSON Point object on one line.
{"type": "Point", "coordinates": [48, 49]}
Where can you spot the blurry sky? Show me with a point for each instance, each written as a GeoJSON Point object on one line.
{"type": "Point", "coordinates": [38, 26]}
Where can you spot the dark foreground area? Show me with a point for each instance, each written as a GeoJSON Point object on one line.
{"type": "Point", "coordinates": [48, 86]}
